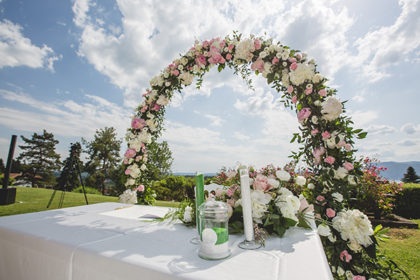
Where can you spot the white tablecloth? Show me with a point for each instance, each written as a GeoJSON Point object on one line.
{"type": "Point", "coordinates": [99, 242]}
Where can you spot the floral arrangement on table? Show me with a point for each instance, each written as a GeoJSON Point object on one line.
{"type": "Point", "coordinates": [326, 137]}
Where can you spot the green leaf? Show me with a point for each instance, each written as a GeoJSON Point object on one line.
{"type": "Point", "coordinates": [362, 135]}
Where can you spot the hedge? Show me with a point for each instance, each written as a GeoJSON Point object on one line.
{"type": "Point", "coordinates": [407, 204]}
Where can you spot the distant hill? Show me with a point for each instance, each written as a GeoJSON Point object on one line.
{"type": "Point", "coordinates": [192, 174]}
{"type": "Point", "coordinates": [396, 170]}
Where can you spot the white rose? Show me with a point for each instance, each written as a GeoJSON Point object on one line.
{"type": "Point", "coordinates": [196, 68]}
{"type": "Point", "coordinates": [184, 60]}
{"type": "Point", "coordinates": [128, 197]}
{"type": "Point", "coordinates": [143, 167]}
{"type": "Point", "coordinates": [134, 170]}
{"type": "Point", "coordinates": [330, 142]}
{"type": "Point", "coordinates": [130, 182]}
{"type": "Point", "coordinates": [340, 173]}
{"type": "Point", "coordinates": [354, 246]}
{"type": "Point", "coordinates": [145, 137]}
{"type": "Point", "coordinates": [273, 182]}
{"type": "Point", "coordinates": [337, 196]}
{"type": "Point", "coordinates": [244, 50]}
{"type": "Point", "coordinates": [317, 103]}
{"type": "Point", "coordinates": [331, 108]}
{"type": "Point", "coordinates": [167, 84]}
{"type": "Point", "coordinates": [349, 275]}
{"type": "Point", "coordinates": [259, 201]}
{"type": "Point", "coordinates": [324, 230]}
{"type": "Point", "coordinates": [285, 55]}
{"type": "Point", "coordinates": [283, 175]}
{"type": "Point", "coordinates": [300, 180]}
{"type": "Point", "coordinates": [302, 73]}
{"type": "Point", "coordinates": [135, 144]}
{"type": "Point", "coordinates": [156, 81]}
{"type": "Point", "coordinates": [187, 214]}
{"type": "Point", "coordinates": [162, 100]}
{"type": "Point", "coordinates": [314, 119]}
{"type": "Point", "coordinates": [332, 238]}
{"type": "Point", "coordinates": [317, 78]}
{"type": "Point", "coordinates": [311, 186]}
{"type": "Point", "coordinates": [351, 180]}
{"type": "Point", "coordinates": [186, 78]}
{"type": "Point", "coordinates": [340, 271]}
{"type": "Point", "coordinates": [151, 124]}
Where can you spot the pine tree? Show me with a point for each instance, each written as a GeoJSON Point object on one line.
{"type": "Point", "coordinates": [40, 159]}
{"type": "Point", "coordinates": [103, 154]}
{"type": "Point", "coordinates": [69, 178]}
{"type": "Point", "coordinates": [411, 176]}
{"type": "Point", "coordinates": [159, 161]}
{"type": "Point", "coordinates": [2, 167]}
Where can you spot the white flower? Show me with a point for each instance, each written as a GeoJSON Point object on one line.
{"type": "Point", "coordinates": [143, 167]}
{"type": "Point", "coordinates": [162, 100]}
{"type": "Point", "coordinates": [157, 81]}
{"type": "Point", "coordinates": [263, 54]}
{"type": "Point", "coordinates": [355, 247]}
{"type": "Point", "coordinates": [351, 180]}
{"type": "Point", "coordinates": [340, 173]}
{"type": "Point", "coordinates": [302, 72]}
{"type": "Point", "coordinates": [134, 170]}
{"type": "Point", "coordinates": [285, 80]}
{"type": "Point", "coordinates": [311, 186]}
{"type": "Point", "coordinates": [331, 108]}
{"type": "Point", "coordinates": [317, 103]}
{"type": "Point", "coordinates": [130, 182]}
{"type": "Point", "coordinates": [244, 50]}
{"type": "Point", "coordinates": [354, 226]}
{"type": "Point", "coordinates": [135, 143]}
{"type": "Point", "coordinates": [186, 78]}
{"type": "Point", "coordinates": [285, 55]}
{"type": "Point", "coordinates": [184, 60]}
{"type": "Point", "coordinates": [332, 238]}
{"type": "Point", "coordinates": [324, 230]}
{"type": "Point", "coordinates": [151, 124]}
{"type": "Point", "coordinates": [283, 175]}
{"type": "Point", "coordinates": [337, 196]}
{"type": "Point", "coordinates": [259, 201]}
{"type": "Point", "coordinates": [273, 182]}
{"type": "Point", "coordinates": [300, 180]}
{"type": "Point", "coordinates": [314, 119]}
{"type": "Point", "coordinates": [340, 271]}
{"type": "Point", "coordinates": [349, 275]}
{"type": "Point", "coordinates": [187, 214]}
{"type": "Point", "coordinates": [330, 142]}
{"type": "Point", "coordinates": [288, 205]}
{"type": "Point", "coordinates": [128, 197]}
{"type": "Point", "coordinates": [317, 78]}
{"type": "Point", "coordinates": [145, 137]}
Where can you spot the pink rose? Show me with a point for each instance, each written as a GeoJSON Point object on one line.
{"type": "Point", "coordinates": [308, 91]}
{"type": "Point", "coordinates": [304, 114]}
{"type": "Point", "coordinates": [258, 65]}
{"type": "Point", "coordinates": [298, 56]}
{"type": "Point", "coordinates": [341, 143]}
{"type": "Point", "coordinates": [290, 89]}
{"type": "Point", "coordinates": [143, 109]}
{"type": "Point", "coordinates": [231, 202]}
{"type": "Point", "coordinates": [294, 99]}
{"type": "Point", "coordinates": [275, 60]}
{"type": "Point", "coordinates": [125, 161]}
{"type": "Point", "coordinates": [140, 188]}
{"type": "Point", "coordinates": [230, 192]}
{"type": "Point", "coordinates": [261, 183]}
{"type": "Point", "coordinates": [347, 147]}
{"type": "Point", "coordinates": [322, 92]}
{"type": "Point", "coordinates": [314, 131]}
{"type": "Point", "coordinates": [127, 171]}
{"type": "Point", "coordinates": [325, 135]}
{"type": "Point", "coordinates": [156, 107]}
{"type": "Point", "coordinates": [228, 56]}
{"type": "Point", "coordinates": [137, 123]}
{"type": "Point", "coordinates": [257, 44]}
{"type": "Point", "coordinates": [201, 60]}
{"type": "Point", "coordinates": [305, 205]}
{"type": "Point", "coordinates": [293, 66]}
{"type": "Point", "coordinates": [320, 198]}
{"type": "Point", "coordinates": [175, 72]}
{"type": "Point", "coordinates": [230, 47]}
{"type": "Point", "coordinates": [292, 60]}
{"type": "Point", "coordinates": [345, 256]}
{"type": "Point", "coordinates": [348, 166]}
{"type": "Point", "coordinates": [330, 213]}
{"type": "Point", "coordinates": [130, 153]}
{"type": "Point", "coordinates": [329, 159]}
{"type": "Point", "coordinates": [359, 277]}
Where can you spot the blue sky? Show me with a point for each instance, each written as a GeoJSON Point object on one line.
{"type": "Point", "coordinates": [72, 67]}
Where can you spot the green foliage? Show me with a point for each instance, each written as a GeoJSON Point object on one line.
{"type": "Point", "coordinates": [103, 152]}
{"type": "Point", "coordinates": [407, 204]}
{"type": "Point", "coordinates": [89, 190]}
{"type": "Point", "coordinates": [11, 180]}
{"type": "Point", "coordinates": [148, 196]}
{"type": "Point", "coordinates": [410, 176]}
{"type": "Point", "coordinates": [40, 158]}
{"type": "Point", "coordinates": [159, 161]}
{"type": "Point", "coordinates": [176, 188]}
{"type": "Point", "coordinates": [69, 177]}
{"type": "Point", "coordinates": [2, 166]}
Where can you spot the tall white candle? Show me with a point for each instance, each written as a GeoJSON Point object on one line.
{"type": "Point", "coordinates": [246, 205]}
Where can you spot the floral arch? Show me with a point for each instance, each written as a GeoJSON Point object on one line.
{"type": "Point", "coordinates": [326, 136]}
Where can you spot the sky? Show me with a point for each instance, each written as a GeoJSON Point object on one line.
{"type": "Point", "coordinates": [74, 66]}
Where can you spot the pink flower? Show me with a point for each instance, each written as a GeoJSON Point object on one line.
{"type": "Point", "coordinates": [130, 153]}
{"type": "Point", "coordinates": [137, 123]}
{"type": "Point", "coordinates": [329, 159]}
{"type": "Point", "coordinates": [228, 56]}
{"type": "Point", "coordinates": [305, 205]}
{"type": "Point", "coordinates": [325, 135]}
{"type": "Point", "coordinates": [140, 188]}
{"type": "Point", "coordinates": [322, 92]}
{"type": "Point", "coordinates": [230, 192]}
{"type": "Point", "coordinates": [308, 91]}
{"type": "Point", "coordinates": [290, 89]}
{"type": "Point", "coordinates": [298, 56]}
{"type": "Point", "coordinates": [175, 72]}
{"type": "Point", "coordinates": [304, 114]}
{"type": "Point", "coordinates": [292, 60]}
{"type": "Point", "coordinates": [231, 202]}
{"type": "Point", "coordinates": [143, 109]}
{"type": "Point", "coordinates": [317, 154]}
{"type": "Point", "coordinates": [126, 161]}
{"type": "Point", "coordinates": [293, 66]}
{"type": "Point", "coordinates": [359, 277]}
{"type": "Point", "coordinates": [139, 158]}
{"type": "Point", "coordinates": [330, 213]}
{"type": "Point", "coordinates": [127, 171]}
{"type": "Point", "coordinates": [314, 131]}
{"type": "Point", "coordinates": [261, 183]}
{"type": "Point", "coordinates": [216, 57]}
{"type": "Point", "coordinates": [257, 44]}
{"type": "Point", "coordinates": [341, 143]}
{"type": "Point", "coordinates": [201, 60]}
{"type": "Point", "coordinates": [275, 60]}
{"type": "Point", "coordinates": [294, 99]}
{"type": "Point", "coordinates": [320, 198]}
{"type": "Point", "coordinates": [347, 147]}
{"type": "Point", "coordinates": [345, 256]}
{"type": "Point", "coordinates": [258, 65]}
{"type": "Point", "coordinates": [219, 192]}
{"type": "Point", "coordinates": [230, 47]}
{"type": "Point", "coordinates": [348, 166]}
{"type": "Point", "coordinates": [156, 107]}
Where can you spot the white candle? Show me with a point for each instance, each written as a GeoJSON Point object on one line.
{"type": "Point", "coordinates": [246, 205]}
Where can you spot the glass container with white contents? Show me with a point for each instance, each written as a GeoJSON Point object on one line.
{"type": "Point", "coordinates": [214, 235]}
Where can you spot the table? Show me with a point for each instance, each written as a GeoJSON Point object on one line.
{"type": "Point", "coordinates": [118, 241]}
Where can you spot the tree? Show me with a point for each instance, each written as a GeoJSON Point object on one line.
{"type": "Point", "coordinates": [411, 176]}
{"type": "Point", "coordinates": [69, 178]}
{"type": "Point", "coordinates": [159, 161]}
{"type": "Point", "coordinates": [40, 159]}
{"type": "Point", "coordinates": [2, 167]}
{"type": "Point", "coordinates": [103, 153]}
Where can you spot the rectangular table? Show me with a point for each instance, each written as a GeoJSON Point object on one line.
{"type": "Point", "coordinates": [114, 241]}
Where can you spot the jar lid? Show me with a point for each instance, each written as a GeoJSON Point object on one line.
{"type": "Point", "coordinates": [212, 208]}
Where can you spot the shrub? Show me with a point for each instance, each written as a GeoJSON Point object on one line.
{"type": "Point", "coordinates": [407, 203]}
{"type": "Point", "coordinates": [88, 190]}
{"type": "Point", "coordinates": [175, 188]}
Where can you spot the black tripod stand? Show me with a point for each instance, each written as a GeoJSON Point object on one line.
{"type": "Point", "coordinates": [69, 176]}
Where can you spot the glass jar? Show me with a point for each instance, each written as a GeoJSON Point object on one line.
{"type": "Point", "coordinates": [214, 233]}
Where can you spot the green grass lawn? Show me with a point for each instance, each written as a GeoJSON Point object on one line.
{"type": "Point", "coordinates": [404, 249]}
{"type": "Point", "coordinates": [35, 200]}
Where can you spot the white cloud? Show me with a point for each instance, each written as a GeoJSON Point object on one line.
{"type": "Point", "coordinates": [410, 128]}
{"type": "Point", "coordinates": [363, 118]}
{"type": "Point", "coordinates": [381, 129]}
{"type": "Point", "coordinates": [17, 50]}
{"type": "Point", "coordinates": [240, 136]}
{"type": "Point", "coordinates": [64, 118]}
